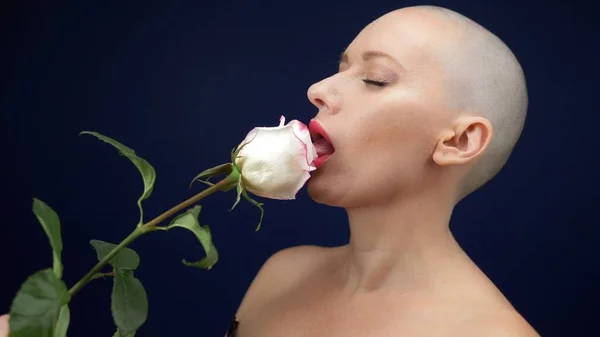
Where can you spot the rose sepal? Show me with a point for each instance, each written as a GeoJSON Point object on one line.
{"type": "Point", "coordinates": [234, 174]}
{"type": "Point", "coordinates": [241, 191]}
{"type": "Point", "coordinates": [223, 169]}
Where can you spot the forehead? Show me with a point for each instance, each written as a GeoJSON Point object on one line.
{"type": "Point", "coordinates": [407, 35]}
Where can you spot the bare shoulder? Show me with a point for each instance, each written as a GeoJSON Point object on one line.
{"type": "Point", "coordinates": [281, 272]}
{"type": "Point", "coordinates": [292, 260]}
{"type": "Point", "coordinates": [4, 326]}
{"type": "Point", "coordinates": [506, 323]}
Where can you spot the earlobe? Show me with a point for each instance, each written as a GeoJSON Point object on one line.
{"type": "Point", "coordinates": [464, 143]}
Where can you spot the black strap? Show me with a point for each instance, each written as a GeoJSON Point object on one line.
{"type": "Point", "coordinates": [232, 332]}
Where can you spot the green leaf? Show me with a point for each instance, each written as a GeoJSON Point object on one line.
{"type": "Point", "coordinates": [147, 171]}
{"type": "Point", "coordinates": [36, 310]}
{"type": "Point", "coordinates": [189, 220]}
{"type": "Point", "coordinates": [64, 318]}
{"type": "Point", "coordinates": [129, 302]}
{"type": "Point", "coordinates": [51, 224]}
{"type": "Point", "coordinates": [126, 258]}
{"type": "Point", "coordinates": [118, 334]}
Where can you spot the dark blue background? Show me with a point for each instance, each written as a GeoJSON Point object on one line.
{"type": "Point", "coordinates": [183, 82]}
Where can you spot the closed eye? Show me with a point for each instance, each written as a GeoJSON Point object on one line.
{"type": "Point", "coordinates": [374, 83]}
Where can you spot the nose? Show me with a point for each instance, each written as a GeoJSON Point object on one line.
{"type": "Point", "coordinates": [324, 96]}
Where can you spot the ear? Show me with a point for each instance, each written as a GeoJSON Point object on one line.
{"type": "Point", "coordinates": [465, 142]}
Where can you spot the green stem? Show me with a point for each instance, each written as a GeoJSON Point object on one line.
{"type": "Point", "coordinates": [149, 227]}
{"type": "Point", "coordinates": [103, 275]}
{"type": "Point", "coordinates": [189, 202]}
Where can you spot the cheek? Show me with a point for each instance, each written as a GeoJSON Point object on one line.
{"type": "Point", "coordinates": [394, 143]}
{"type": "Point", "coordinates": [396, 133]}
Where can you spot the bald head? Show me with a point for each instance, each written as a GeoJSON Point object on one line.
{"type": "Point", "coordinates": [441, 91]}
{"type": "Point", "coordinates": [483, 78]}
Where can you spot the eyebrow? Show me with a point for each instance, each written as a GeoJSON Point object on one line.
{"type": "Point", "coordinates": [368, 56]}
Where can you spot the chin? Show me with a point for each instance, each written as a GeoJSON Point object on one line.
{"type": "Point", "coordinates": [337, 190]}
{"type": "Point", "coordinates": [317, 188]}
{"type": "Point", "coordinates": [323, 190]}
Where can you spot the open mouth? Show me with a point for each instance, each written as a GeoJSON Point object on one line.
{"type": "Point", "coordinates": [321, 141]}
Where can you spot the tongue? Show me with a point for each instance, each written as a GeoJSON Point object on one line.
{"type": "Point", "coordinates": [323, 147]}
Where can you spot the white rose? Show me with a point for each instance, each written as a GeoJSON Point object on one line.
{"type": "Point", "coordinates": [275, 162]}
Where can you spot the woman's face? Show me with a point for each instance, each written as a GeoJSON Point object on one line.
{"type": "Point", "coordinates": [383, 110]}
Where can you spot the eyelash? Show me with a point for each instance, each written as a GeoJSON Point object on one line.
{"type": "Point", "coordinates": [374, 83]}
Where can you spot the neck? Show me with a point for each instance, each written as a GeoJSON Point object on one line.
{"type": "Point", "coordinates": [405, 244]}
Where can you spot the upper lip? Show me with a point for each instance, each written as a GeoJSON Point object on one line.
{"type": "Point", "coordinates": [317, 131]}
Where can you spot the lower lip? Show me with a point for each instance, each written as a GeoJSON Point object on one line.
{"type": "Point", "coordinates": [320, 160]}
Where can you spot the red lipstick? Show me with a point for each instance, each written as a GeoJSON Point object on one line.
{"type": "Point", "coordinates": [322, 143]}
{"type": "Point", "coordinates": [315, 128]}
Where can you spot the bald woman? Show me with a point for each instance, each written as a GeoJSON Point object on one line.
{"type": "Point", "coordinates": [426, 107]}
